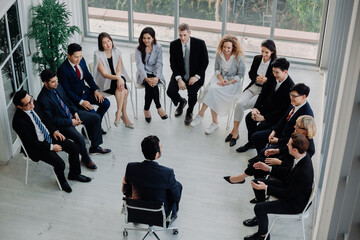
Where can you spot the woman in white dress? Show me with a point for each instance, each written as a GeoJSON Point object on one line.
{"type": "Point", "coordinates": [225, 85]}
{"type": "Point", "coordinates": [110, 76]}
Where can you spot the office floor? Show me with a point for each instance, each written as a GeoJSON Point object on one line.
{"type": "Point", "coordinates": [210, 208]}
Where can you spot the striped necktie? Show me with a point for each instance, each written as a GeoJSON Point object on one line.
{"type": "Point", "coordinates": [290, 114]}
{"type": "Point", "coordinates": [63, 105]}
{"type": "Point", "coordinates": [41, 126]}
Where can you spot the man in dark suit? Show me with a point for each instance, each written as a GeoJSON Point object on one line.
{"type": "Point", "coordinates": [188, 62]}
{"type": "Point", "coordinates": [293, 193]}
{"type": "Point", "coordinates": [150, 181]}
{"type": "Point", "coordinates": [281, 132]}
{"type": "Point", "coordinates": [66, 117]}
{"type": "Point", "coordinates": [72, 74]}
{"type": "Point", "coordinates": [272, 102]}
{"type": "Point", "coordinates": [42, 141]}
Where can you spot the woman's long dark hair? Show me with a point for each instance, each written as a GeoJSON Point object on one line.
{"type": "Point", "coordinates": [142, 46]}
{"type": "Point", "coordinates": [269, 44]}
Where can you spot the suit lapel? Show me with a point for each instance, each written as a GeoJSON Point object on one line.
{"type": "Point", "coordinates": [71, 70]}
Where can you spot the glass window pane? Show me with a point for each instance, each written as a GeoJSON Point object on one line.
{"type": "Point", "coordinates": [156, 14]}
{"type": "Point", "coordinates": [297, 28]}
{"type": "Point", "coordinates": [250, 22]}
{"type": "Point", "coordinates": [4, 46]}
{"type": "Point", "coordinates": [109, 16]}
{"type": "Point", "coordinates": [19, 65]}
{"type": "Point", "coordinates": [14, 26]}
{"type": "Point", "coordinates": [204, 18]}
{"type": "Point", "coordinates": [25, 87]}
{"type": "Point", "coordinates": [8, 81]}
{"type": "Point", "coordinates": [11, 112]}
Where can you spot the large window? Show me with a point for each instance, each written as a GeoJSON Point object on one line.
{"type": "Point", "coordinates": [12, 62]}
{"type": "Point", "coordinates": [294, 25]}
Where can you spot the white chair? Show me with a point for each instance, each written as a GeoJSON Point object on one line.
{"type": "Point", "coordinates": [301, 216]}
{"type": "Point", "coordinates": [141, 86]}
{"type": "Point", "coordinates": [26, 155]}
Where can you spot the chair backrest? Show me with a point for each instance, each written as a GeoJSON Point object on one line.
{"type": "Point", "coordinates": [133, 67]}
{"type": "Point", "coordinates": [145, 212]}
{"type": "Point", "coordinates": [311, 198]}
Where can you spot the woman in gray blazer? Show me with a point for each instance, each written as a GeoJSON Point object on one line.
{"type": "Point", "coordinates": [149, 65]}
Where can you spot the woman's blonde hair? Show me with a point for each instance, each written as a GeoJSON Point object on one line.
{"type": "Point", "coordinates": [237, 49]}
{"type": "Point", "coordinates": [307, 123]}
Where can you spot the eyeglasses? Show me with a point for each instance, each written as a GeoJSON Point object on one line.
{"type": "Point", "coordinates": [298, 127]}
{"type": "Point", "coordinates": [294, 96]}
{"type": "Point", "coordinates": [28, 104]}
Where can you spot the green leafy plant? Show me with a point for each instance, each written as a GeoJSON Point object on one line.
{"type": "Point", "coordinates": [51, 30]}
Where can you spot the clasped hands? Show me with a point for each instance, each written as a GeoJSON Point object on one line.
{"type": "Point", "coordinates": [87, 105]}
{"type": "Point", "coordinates": [261, 79]}
{"type": "Point", "coordinates": [76, 120]}
{"type": "Point", "coordinates": [153, 81]}
{"type": "Point", "coordinates": [182, 85]}
{"type": "Point", "coordinates": [256, 116]}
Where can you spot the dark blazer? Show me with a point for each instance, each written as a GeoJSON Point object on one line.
{"type": "Point", "coordinates": [273, 104]}
{"type": "Point", "coordinates": [254, 68]}
{"type": "Point", "coordinates": [199, 59]}
{"type": "Point", "coordinates": [298, 184]}
{"type": "Point", "coordinates": [74, 87]}
{"type": "Point", "coordinates": [285, 128]}
{"type": "Point", "coordinates": [52, 107]}
{"type": "Point", "coordinates": [150, 181]}
{"type": "Point", "coordinates": [25, 129]}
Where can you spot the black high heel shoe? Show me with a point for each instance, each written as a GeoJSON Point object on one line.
{"type": "Point", "coordinates": [148, 119]}
{"type": "Point", "coordinates": [227, 178]}
{"type": "Point", "coordinates": [164, 117]}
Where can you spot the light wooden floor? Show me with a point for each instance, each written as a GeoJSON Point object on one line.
{"type": "Point", "coordinates": [210, 208]}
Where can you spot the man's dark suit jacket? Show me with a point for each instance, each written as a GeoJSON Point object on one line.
{"type": "Point", "coordinates": [52, 107]}
{"type": "Point", "coordinates": [74, 87]}
{"type": "Point", "coordinates": [150, 181]}
{"type": "Point", "coordinates": [25, 129]}
{"type": "Point", "coordinates": [199, 59]}
{"type": "Point", "coordinates": [254, 68]}
{"type": "Point", "coordinates": [273, 104]}
{"type": "Point", "coordinates": [285, 128]}
{"type": "Point", "coordinates": [298, 184]}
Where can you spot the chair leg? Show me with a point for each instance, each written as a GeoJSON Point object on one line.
{"type": "Point", "coordinates": [147, 234]}
{"type": "Point", "coordinates": [107, 120]}
{"type": "Point", "coordinates": [136, 104]}
{"type": "Point", "coordinates": [27, 171]}
{"type": "Point", "coordinates": [271, 226]}
{"type": "Point", "coordinates": [57, 180]}
{"type": "Point", "coordinates": [132, 102]}
{"type": "Point", "coordinates": [86, 134]}
{"type": "Point", "coordinates": [303, 228]}
{"type": "Point", "coordinates": [156, 235]}
{"type": "Point", "coordinates": [171, 103]}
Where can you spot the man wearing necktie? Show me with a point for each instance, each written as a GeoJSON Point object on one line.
{"type": "Point", "coordinates": [72, 74]}
{"type": "Point", "coordinates": [42, 141]}
{"type": "Point", "coordinates": [188, 62]}
{"type": "Point", "coordinates": [280, 133]}
{"type": "Point", "coordinates": [66, 117]}
{"type": "Point", "coordinates": [293, 192]}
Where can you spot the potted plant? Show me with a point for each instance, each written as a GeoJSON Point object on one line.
{"type": "Point", "coordinates": [51, 30]}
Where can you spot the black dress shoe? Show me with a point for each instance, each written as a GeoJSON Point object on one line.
{"type": "Point", "coordinates": [80, 178]}
{"type": "Point", "coordinates": [227, 178]}
{"type": "Point", "coordinates": [255, 236]}
{"type": "Point", "coordinates": [103, 132]}
{"type": "Point", "coordinates": [180, 108]}
{"type": "Point", "coordinates": [90, 164]}
{"type": "Point", "coordinates": [244, 148]}
{"type": "Point", "coordinates": [98, 150]}
{"type": "Point", "coordinates": [148, 120]}
{"type": "Point", "coordinates": [188, 118]}
{"type": "Point", "coordinates": [254, 200]}
{"type": "Point", "coordinates": [228, 138]}
{"type": "Point", "coordinates": [233, 141]}
{"type": "Point", "coordinates": [251, 222]}
{"type": "Point", "coordinates": [66, 187]}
